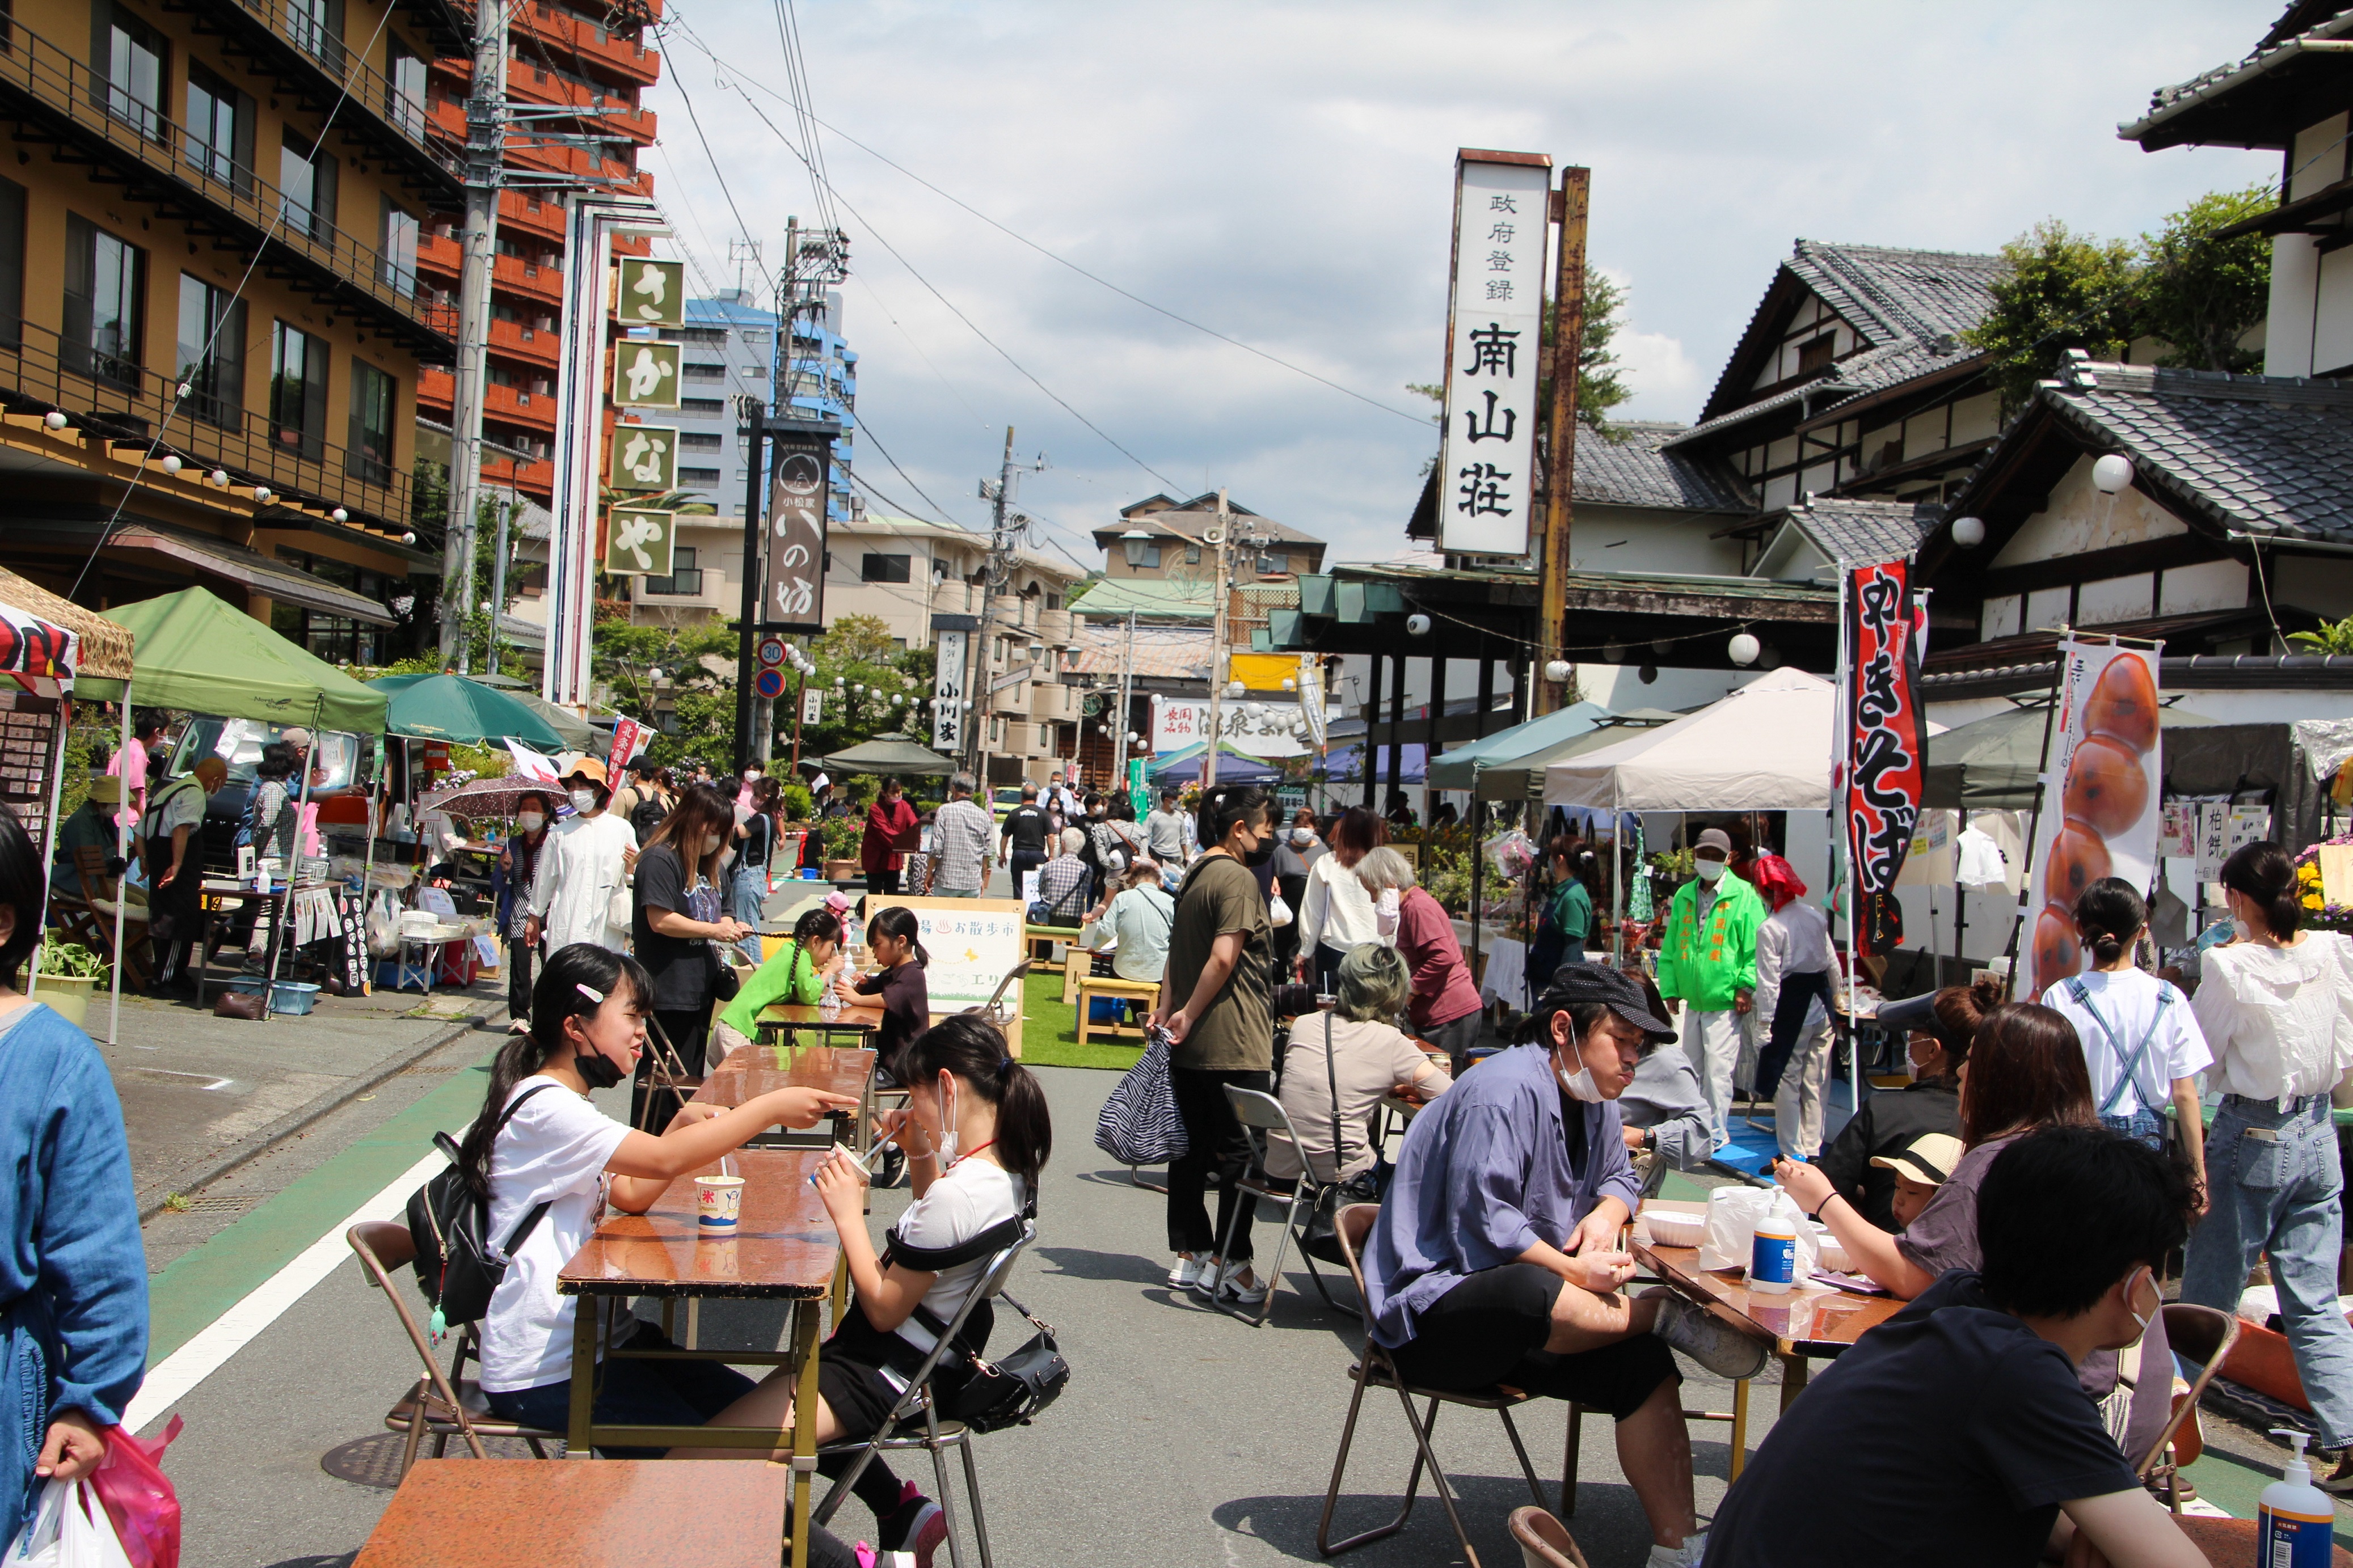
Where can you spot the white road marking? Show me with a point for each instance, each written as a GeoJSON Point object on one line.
{"type": "Point", "coordinates": [216, 1083]}
{"type": "Point", "coordinates": [172, 1379]}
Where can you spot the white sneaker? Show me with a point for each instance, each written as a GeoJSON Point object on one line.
{"type": "Point", "coordinates": [1232, 1290]}
{"type": "Point", "coordinates": [1186, 1274]}
{"type": "Point", "coordinates": [1687, 1555]}
{"type": "Point", "coordinates": [1716, 1345]}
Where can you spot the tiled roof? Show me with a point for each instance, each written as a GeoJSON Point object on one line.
{"type": "Point", "coordinates": [1636, 470]}
{"type": "Point", "coordinates": [1897, 301]}
{"type": "Point", "coordinates": [2262, 454]}
{"type": "Point", "coordinates": [1151, 598]}
{"type": "Point", "coordinates": [1193, 515]}
{"type": "Point", "coordinates": [2277, 49]}
{"type": "Point", "coordinates": [1863, 531]}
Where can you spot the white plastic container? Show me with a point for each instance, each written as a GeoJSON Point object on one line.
{"type": "Point", "coordinates": [2295, 1518]}
{"type": "Point", "coordinates": [1773, 1248]}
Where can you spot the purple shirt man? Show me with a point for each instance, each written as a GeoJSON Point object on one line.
{"type": "Point", "coordinates": [1484, 1173]}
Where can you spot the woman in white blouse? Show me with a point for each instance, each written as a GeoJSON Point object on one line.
{"type": "Point", "coordinates": [2276, 1008]}
{"type": "Point", "coordinates": [1338, 914]}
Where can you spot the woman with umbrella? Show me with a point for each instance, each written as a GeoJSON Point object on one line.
{"type": "Point", "coordinates": [509, 885]}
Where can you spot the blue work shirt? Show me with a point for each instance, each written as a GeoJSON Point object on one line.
{"type": "Point", "coordinates": [1483, 1176]}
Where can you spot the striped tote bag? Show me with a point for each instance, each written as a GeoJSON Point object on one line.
{"type": "Point", "coordinates": [1139, 1124]}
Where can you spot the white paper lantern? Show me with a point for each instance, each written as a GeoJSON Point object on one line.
{"type": "Point", "coordinates": [2112, 473]}
{"type": "Point", "coordinates": [1744, 648]}
{"type": "Point", "coordinates": [1968, 532]}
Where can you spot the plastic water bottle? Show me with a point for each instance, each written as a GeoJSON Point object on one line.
{"type": "Point", "coordinates": [2295, 1518]}
{"type": "Point", "coordinates": [1773, 1248]}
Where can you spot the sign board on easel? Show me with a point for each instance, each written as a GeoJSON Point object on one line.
{"type": "Point", "coordinates": [974, 945]}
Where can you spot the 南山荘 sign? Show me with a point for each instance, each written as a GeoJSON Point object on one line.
{"type": "Point", "coordinates": [1486, 478]}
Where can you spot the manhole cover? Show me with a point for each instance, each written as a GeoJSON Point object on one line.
{"type": "Point", "coordinates": [375, 1461]}
{"type": "Point", "coordinates": [227, 1203]}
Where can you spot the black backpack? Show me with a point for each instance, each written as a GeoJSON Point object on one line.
{"type": "Point", "coordinates": [646, 816]}
{"type": "Point", "coordinates": [456, 1267]}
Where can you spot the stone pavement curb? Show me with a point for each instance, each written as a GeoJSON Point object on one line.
{"type": "Point", "coordinates": [261, 1142]}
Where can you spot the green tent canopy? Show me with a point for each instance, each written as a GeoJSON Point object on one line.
{"type": "Point", "coordinates": [890, 755]}
{"type": "Point", "coordinates": [454, 708]}
{"type": "Point", "coordinates": [199, 654]}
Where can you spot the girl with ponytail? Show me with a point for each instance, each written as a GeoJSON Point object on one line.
{"type": "Point", "coordinates": [907, 1000]}
{"type": "Point", "coordinates": [799, 972]}
{"type": "Point", "coordinates": [540, 1145]}
{"type": "Point", "coordinates": [2141, 1041]}
{"type": "Point", "coordinates": [977, 1134]}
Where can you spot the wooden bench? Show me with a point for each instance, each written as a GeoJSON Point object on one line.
{"type": "Point", "coordinates": [1041, 940]}
{"type": "Point", "coordinates": [1104, 987]}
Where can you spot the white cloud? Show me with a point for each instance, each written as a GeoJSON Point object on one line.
{"type": "Point", "coordinates": [1281, 171]}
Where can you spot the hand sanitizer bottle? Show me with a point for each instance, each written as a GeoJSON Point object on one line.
{"type": "Point", "coordinates": [2295, 1518]}
{"type": "Point", "coordinates": [1773, 1248]}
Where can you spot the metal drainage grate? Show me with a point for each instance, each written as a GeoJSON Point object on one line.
{"type": "Point", "coordinates": [226, 1203]}
{"type": "Point", "coordinates": [376, 1461]}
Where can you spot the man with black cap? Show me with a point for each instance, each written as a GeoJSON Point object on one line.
{"type": "Point", "coordinates": [1496, 1256]}
{"type": "Point", "coordinates": [1707, 959]}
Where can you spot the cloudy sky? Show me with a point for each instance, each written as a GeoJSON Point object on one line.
{"type": "Point", "coordinates": [1281, 173]}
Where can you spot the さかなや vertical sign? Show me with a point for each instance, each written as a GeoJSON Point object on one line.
{"type": "Point", "coordinates": [1486, 481]}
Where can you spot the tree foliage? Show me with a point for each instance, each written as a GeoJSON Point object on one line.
{"type": "Point", "coordinates": [2195, 294]}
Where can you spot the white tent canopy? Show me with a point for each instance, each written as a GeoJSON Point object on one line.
{"type": "Point", "coordinates": [1765, 747]}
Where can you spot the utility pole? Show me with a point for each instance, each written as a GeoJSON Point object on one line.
{"type": "Point", "coordinates": [1127, 672]}
{"type": "Point", "coordinates": [486, 135]}
{"type": "Point", "coordinates": [992, 576]}
{"type": "Point", "coordinates": [499, 578]}
{"type": "Point", "coordinates": [1218, 662]}
{"type": "Point", "coordinates": [1567, 341]}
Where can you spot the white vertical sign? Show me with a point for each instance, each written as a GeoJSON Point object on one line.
{"type": "Point", "coordinates": [1487, 473]}
{"type": "Point", "coordinates": [947, 692]}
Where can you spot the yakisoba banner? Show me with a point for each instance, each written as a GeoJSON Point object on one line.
{"type": "Point", "coordinates": [2100, 795]}
{"type": "Point", "coordinates": [1886, 763]}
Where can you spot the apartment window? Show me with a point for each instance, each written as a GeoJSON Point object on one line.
{"type": "Point", "coordinates": [703, 372]}
{"type": "Point", "coordinates": [317, 27]}
{"type": "Point", "coordinates": [701, 441]}
{"type": "Point", "coordinates": [1152, 556]}
{"type": "Point", "coordinates": [105, 279]}
{"type": "Point", "coordinates": [220, 130]}
{"type": "Point", "coordinates": [405, 98]}
{"type": "Point", "coordinates": [1192, 555]}
{"type": "Point", "coordinates": [375, 395]}
{"type": "Point", "coordinates": [685, 578]}
{"type": "Point", "coordinates": [709, 406]}
{"type": "Point", "coordinates": [298, 390]}
{"type": "Point", "coordinates": [133, 55]}
{"type": "Point", "coordinates": [884, 568]}
{"type": "Point", "coordinates": [12, 264]}
{"type": "Point", "coordinates": [306, 181]}
{"type": "Point", "coordinates": [703, 478]}
{"type": "Point", "coordinates": [400, 231]}
{"type": "Point", "coordinates": [211, 359]}
{"type": "Point", "coordinates": [709, 337]}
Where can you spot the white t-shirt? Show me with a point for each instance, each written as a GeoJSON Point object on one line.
{"type": "Point", "coordinates": [2279, 1020]}
{"type": "Point", "coordinates": [2123, 1007]}
{"type": "Point", "coordinates": [555, 1150]}
{"type": "Point", "coordinates": [970, 1197]}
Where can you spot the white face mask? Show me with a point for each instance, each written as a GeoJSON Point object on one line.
{"type": "Point", "coordinates": [2143, 1320]}
{"type": "Point", "coordinates": [584, 800]}
{"type": "Point", "coordinates": [1709, 870]}
{"type": "Point", "coordinates": [530, 821]}
{"type": "Point", "coordinates": [948, 1126]}
{"type": "Point", "coordinates": [1579, 1085]}
{"type": "Point", "coordinates": [1303, 837]}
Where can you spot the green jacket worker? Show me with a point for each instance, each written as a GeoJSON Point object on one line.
{"type": "Point", "coordinates": [1707, 959]}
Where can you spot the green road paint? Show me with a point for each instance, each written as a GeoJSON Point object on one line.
{"type": "Point", "coordinates": [208, 1279]}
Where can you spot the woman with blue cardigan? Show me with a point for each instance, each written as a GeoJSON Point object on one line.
{"type": "Point", "coordinates": [73, 1273]}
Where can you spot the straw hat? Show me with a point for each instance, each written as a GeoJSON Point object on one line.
{"type": "Point", "coordinates": [106, 790]}
{"type": "Point", "coordinates": [1928, 1158]}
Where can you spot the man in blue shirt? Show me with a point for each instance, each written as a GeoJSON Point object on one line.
{"type": "Point", "coordinates": [1496, 1258]}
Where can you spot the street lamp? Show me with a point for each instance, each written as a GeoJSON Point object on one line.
{"type": "Point", "coordinates": [1134, 542]}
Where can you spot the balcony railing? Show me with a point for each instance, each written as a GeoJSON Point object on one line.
{"type": "Point", "coordinates": [73, 99]}
{"type": "Point", "coordinates": [129, 405]}
{"type": "Point", "coordinates": [293, 22]}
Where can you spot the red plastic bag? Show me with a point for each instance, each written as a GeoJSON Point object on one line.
{"type": "Point", "coordinates": [139, 1496]}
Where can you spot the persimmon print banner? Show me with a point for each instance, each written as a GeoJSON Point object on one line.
{"type": "Point", "coordinates": [1886, 764]}
{"type": "Point", "coordinates": [2100, 795]}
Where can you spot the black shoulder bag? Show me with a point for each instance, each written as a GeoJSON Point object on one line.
{"type": "Point", "coordinates": [985, 1394]}
{"type": "Point", "coordinates": [1321, 1240]}
{"type": "Point", "coordinates": [456, 1267]}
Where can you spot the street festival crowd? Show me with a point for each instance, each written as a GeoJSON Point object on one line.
{"type": "Point", "coordinates": [1998, 1418]}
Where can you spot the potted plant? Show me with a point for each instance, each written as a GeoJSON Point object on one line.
{"type": "Point", "coordinates": [66, 975]}
{"type": "Point", "coordinates": [843, 835]}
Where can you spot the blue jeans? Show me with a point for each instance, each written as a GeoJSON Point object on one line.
{"type": "Point", "coordinates": [2143, 1124]}
{"type": "Point", "coordinates": [632, 1394]}
{"type": "Point", "coordinates": [747, 899]}
{"type": "Point", "coordinates": [2282, 1198]}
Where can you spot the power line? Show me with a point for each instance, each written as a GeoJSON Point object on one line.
{"type": "Point", "coordinates": [866, 430]}
{"type": "Point", "coordinates": [881, 239]}
{"type": "Point", "coordinates": [1105, 282]}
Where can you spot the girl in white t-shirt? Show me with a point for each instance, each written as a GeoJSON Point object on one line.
{"type": "Point", "coordinates": [977, 1134]}
{"type": "Point", "coordinates": [2141, 1041]}
{"type": "Point", "coordinates": [539, 1141]}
